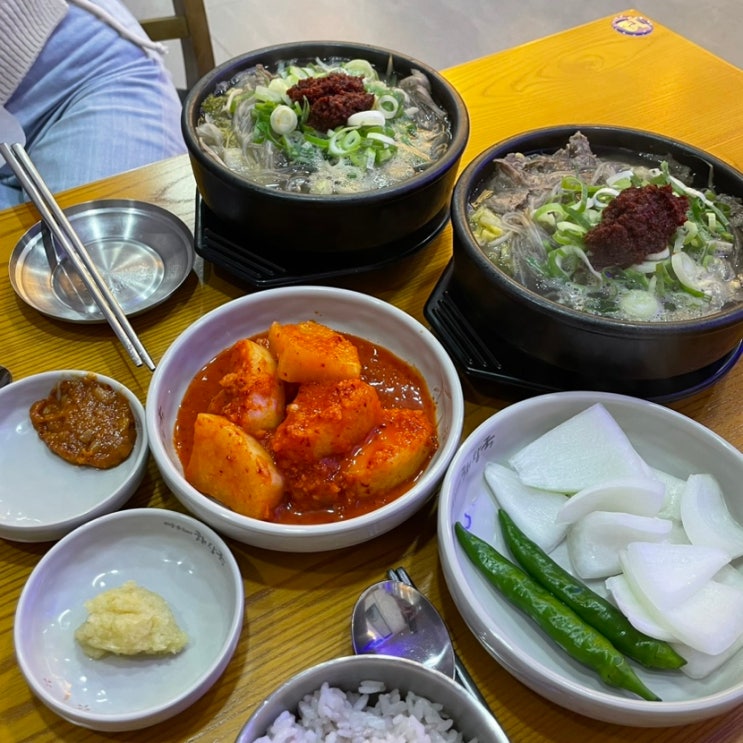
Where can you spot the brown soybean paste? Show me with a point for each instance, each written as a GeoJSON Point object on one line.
{"type": "Point", "coordinates": [86, 422]}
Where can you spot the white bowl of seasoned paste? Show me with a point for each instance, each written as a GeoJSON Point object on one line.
{"type": "Point", "coordinates": [73, 446]}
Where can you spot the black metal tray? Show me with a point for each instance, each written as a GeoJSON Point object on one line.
{"type": "Point", "coordinates": [490, 362]}
{"type": "Point", "coordinates": [276, 265]}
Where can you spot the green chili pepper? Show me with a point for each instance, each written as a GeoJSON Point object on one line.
{"type": "Point", "coordinates": [588, 605]}
{"type": "Point", "coordinates": [577, 638]}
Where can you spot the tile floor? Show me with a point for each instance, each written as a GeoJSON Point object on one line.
{"type": "Point", "coordinates": [444, 32]}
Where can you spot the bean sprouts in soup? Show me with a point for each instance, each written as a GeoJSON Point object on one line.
{"type": "Point", "coordinates": [330, 126]}
{"type": "Point", "coordinates": [627, 240]}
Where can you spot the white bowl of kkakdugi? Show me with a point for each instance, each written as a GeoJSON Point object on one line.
{"type": "Point", "coordinates": [74, 447]}
{"type": "Point", "coordinates": [632, 500]}
{"type": "Point", "coordinates": [304, 418]}
{"type": "Point", "coordinates": [130, 619]}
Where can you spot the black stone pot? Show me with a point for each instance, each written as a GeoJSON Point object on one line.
{"type": "Point", "coordinates": [600, 348]}
{"type": "Point", "coordinates": [362, 222]}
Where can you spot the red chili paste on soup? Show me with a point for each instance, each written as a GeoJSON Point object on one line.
{"type": "Point", "coordinates": [637, 223]}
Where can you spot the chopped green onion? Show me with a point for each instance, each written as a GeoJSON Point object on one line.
{"type": "Point", "coordinates": [603, 196]}
{"type": "Point", "coordinates": [579, 218]}
{"type": "Point", "coordinates": [388, 105]}
{"type": "Point", "coordinates": [549, 213]}
{"type": "Point", "coordinates": [366, 118]}
{"type": "Point", "coordinates": [264, 93]}
{"type": "Point", "coordinates": [317, 140]}
{"type": "Point", "coordinates": [556, 260]}
{"type": "Point", "coordinates": [576, 229]}
{"type": "Point", "coordinates": [283, 119]}
{"type": "Point", "coordinates": [361, 68]}
{"type": "Point", "coordinates": [383, 138]}
{"type": "Point", "coordinates": [344, 141]}
{"type": "Point", "coordinates": [688, 273]}
{"type": "Point", "coordinates": [620, 180]}
{"type": "Point", "coordinates": [639, 305]}
{"type": "Point", "coordinates": [279, 85]}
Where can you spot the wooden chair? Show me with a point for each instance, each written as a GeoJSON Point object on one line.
{"type": "Point", "coordinates": [189, 25]}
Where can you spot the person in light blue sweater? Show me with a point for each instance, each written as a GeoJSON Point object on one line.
{"type": "Point", "coordinates": [89, 90]}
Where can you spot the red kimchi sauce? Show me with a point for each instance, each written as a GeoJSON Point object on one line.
{"type": "Point", "coordinates": [398, 385]}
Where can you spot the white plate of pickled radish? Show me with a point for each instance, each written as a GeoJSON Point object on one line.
{"type": "Point", "coordinates": [640, 503]}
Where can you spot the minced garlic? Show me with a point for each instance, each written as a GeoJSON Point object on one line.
{"type": "Point", "coordinates": [129, 620]}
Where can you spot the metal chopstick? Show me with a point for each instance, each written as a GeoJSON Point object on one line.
{"type": "Point", "coordinates": [53, 216]}
{"type": "Point", "coordinates": [460, 670]}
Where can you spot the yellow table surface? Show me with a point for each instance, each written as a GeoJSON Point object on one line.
{"type": "Point", "coordinates": [297, 607]}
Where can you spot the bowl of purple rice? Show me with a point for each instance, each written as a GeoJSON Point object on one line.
{"type": "Point", "coordinates": [371, 697]}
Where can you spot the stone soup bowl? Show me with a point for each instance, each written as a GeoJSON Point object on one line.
{"type": "Point", "coordinates": [367, 225]}
{"type": "Point", "coordinates": [601, 350]}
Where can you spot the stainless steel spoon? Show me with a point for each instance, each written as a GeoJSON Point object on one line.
{"type": "Point", "coordinates": [391, 618]}
{"type": "Point", "coordinates": [394, 618]}
{"type": "Point", "coordinates": [461, 674]}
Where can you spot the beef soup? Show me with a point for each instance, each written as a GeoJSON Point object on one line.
{"type": "Point", "coordinates": [325, 154]}
{"type": "Point", "coordinates": [629, 239]}
{"type": "Point", "coordinates": [525, 273]}
{"type": "Point", "coordinates": [329, 126]}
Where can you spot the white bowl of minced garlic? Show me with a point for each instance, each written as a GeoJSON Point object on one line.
{"type": "Point", "coordinates": [129, 619]}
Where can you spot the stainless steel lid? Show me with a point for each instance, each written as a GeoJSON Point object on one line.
{"type": "Point", "coordinates": [143, 252]}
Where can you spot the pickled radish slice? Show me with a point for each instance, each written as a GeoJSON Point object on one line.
{"type": "Point", "coordinates": [730, 576]}
{"type": "Point", "coordinates": [642, 496]}
{"type": "Point", "coordinates": [632, 608]}
{"type": "Point", "coordinates": [677, 535]}
{"type": "Point", "coordinates": [595, 541]}
{"type": "Point", "coordinates": [706, 518]}
{"type": "Point", "coordinates": [711, 621]}
{"type": "Point", "coordinates": [584, 450]}
{"type": "Point", "coordinates": [664, 545]}
{"type": "Point", "coordinates": [671, 508]}
{"type": "Point", "coordinates": [700, 665]}
{"type": "Point", "coordinates": [534, 511]}
{"type": "Point", "coordinates": [667, 575]}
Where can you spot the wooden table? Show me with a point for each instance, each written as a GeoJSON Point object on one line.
{"type": "Point", "coordinates": [298, 607]}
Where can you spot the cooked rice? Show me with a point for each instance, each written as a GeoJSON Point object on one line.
{"type": "Point", "coordinates": [336, 716]}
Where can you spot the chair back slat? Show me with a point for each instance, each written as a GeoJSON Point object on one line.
{"type": "Point", "coordinates": [190, 26]}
